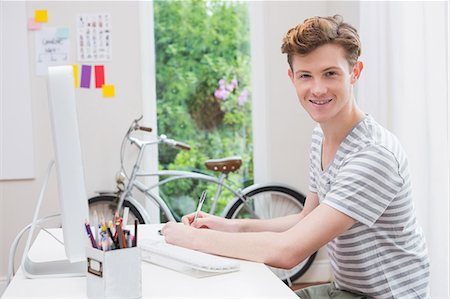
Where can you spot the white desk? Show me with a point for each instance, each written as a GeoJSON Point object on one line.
{"type": "Point", "coordinates": [254, 280]}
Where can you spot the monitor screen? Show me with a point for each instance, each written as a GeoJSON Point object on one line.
{"type": "Point", "coordinates": [69, 166]}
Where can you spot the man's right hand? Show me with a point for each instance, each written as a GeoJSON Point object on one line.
{"type": "Point", "coordinates": [205, 220]}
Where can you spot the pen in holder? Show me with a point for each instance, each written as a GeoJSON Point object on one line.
{"type": "Point", "coordinates": [114, 273]}
{"type": "Point", "coordinates": [113, 261]}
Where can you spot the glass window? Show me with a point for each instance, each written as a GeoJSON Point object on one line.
{"type": "Point", "coordinates": [203, 91]}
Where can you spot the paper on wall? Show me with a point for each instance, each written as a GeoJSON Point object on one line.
{"type": "Point", "coordinates": [94, 37]}
{"type": "Point", "coordinates": [52, 48]}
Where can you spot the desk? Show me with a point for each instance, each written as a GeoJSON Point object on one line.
{"type": "Point", "coordinates": [254, 280]}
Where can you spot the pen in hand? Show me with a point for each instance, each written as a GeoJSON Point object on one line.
{"type": "Point", "coordinates": [200, 204]}
{"type": "Point", "coordinates": [199, 207]}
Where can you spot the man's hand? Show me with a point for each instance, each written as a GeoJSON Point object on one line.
{"type": "Point", "coordinates": [179, 234]}
{"type": "Point", "coordinates": [205, 220]}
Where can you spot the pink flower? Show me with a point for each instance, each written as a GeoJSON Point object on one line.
{"type": "Point", "coordinates": [230, 87]}
{"type": "Point", "coordinates": [243, 98]}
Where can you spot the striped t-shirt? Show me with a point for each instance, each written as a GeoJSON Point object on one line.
{"type": "Point", "coordinates": [383, 255]}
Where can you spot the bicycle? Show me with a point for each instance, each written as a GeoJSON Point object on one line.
{"type": "Point", "coordinates": [256, 201]}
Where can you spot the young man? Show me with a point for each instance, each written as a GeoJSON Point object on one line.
{"type": "Point", "coordinates": [359, 202]}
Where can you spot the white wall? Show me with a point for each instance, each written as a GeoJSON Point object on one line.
{"type": "Point", "coordinates": [102, 121]}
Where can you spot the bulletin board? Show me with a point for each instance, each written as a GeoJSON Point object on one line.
{"type": "Point", "coordinates": [16, 130]}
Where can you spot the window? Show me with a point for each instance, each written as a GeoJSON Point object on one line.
{"type": "Point", "coordinates": [203, 90]}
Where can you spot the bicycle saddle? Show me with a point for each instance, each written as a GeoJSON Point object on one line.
{"type": "Point", "coordinates": [224, 165]}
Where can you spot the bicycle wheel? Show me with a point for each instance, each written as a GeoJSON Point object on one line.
{"type": "Point", "coordinates": [106, 206]}
{"type": "Point", "coordinates": [269, 202]}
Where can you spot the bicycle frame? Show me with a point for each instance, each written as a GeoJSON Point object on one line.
{"type": "Point", "coordinates": [133, 182]}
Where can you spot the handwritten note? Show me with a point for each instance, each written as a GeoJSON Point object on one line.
{"type": "Point", "coordinates": [51, 49]}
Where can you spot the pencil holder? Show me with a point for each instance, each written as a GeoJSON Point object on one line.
{"type": "Point", "coordinates": [114, 273]}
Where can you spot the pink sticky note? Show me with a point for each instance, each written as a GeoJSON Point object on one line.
{"type": "Point", "coordinates": [33, 25]}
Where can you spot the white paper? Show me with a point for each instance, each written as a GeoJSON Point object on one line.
{"type": "Point", "coordinates": [52, 48]}
{"type": "Point", "coordinates": [94, 37]}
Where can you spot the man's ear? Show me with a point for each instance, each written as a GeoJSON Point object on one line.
{"type": "Point", "coordinates": [356, 72]}
{"type": "Point", "coordinates": [291, 74]}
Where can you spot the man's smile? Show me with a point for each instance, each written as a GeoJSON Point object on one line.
{"type": "Point", "coordinates": [320, 102]}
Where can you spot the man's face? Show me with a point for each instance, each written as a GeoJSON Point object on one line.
{"type": "Point", "coordinates": [323, 80]}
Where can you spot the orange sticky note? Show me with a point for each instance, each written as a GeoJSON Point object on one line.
{"type": "Point", "coordinates": [75, 74]}
{"type": "Point", "coordinates": [41, 16]}
{"type": "Point", "coordinates": [108, 91]}
{"type": "Point", "coordinates": [33, 25]}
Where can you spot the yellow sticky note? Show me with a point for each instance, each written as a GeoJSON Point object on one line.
{"type": "Point", "coordinates": [41, 16]}
{"type": "Point", "coordinates": [108, 91]}
{"type": "Point", "coordinates": [75, 75]}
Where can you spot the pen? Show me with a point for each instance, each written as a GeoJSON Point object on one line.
{"type": "Point", "coordinates": [135, 232]}
{"type": "Point", "coordinates": [126, 210]}
{"type": "Point", "coordinates": [89, 232]}
{"type": "Point", "coordinates": [200, 204]}
{"type": "Point", "coordinates": [96, 230]}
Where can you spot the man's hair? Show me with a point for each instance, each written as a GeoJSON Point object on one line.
{"type": "Point", "coordinates": [317, 31]}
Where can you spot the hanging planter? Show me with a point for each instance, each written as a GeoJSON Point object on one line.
{"type": "Point", "coordinates": [206, 112]}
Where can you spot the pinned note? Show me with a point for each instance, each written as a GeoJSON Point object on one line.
{"type": "Point", "coordinates": [62, 32]}
{"type": "Point", "coordinates": [75, 74]}
{"type": "Point", "coordinates": [33, 25]}
{"type": "Point", "coordinates": [108, 91]}
{"type": "Point", "coordinates": [99, 76]}
{"type": "Point", "coordinates": [41, 16]}
{"type": "Point", "coordinates": [85, 76]}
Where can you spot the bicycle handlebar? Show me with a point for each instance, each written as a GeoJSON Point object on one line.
{"type": "Point", "coordinates": [180, 145]}
{"type": "Point", "coordinates": [146, 129]}
{"type": "Point", "coordinates": [183, 146]}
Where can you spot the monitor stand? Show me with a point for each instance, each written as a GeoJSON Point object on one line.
{"type": "Point", "coordinates": [47, 269]}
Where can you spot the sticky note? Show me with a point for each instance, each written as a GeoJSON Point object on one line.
{"type": "Point", "coordinates": [99, 76]}
{"type": "Point", "coordinates": [33, 25]}
{"type": "Point", "coordinates": [108, 91]}
{"type": "Point", "coordinates": [75, 74]}
{"type": "Point", "coordinates": [62, 32]}
{"type": "Point", "coordinates": [85, 76]}
{"type": "Point", "coordinates": [41, 16]}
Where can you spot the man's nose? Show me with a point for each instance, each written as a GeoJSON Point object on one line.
{"type": "Point", "coordinates": [318, 88]}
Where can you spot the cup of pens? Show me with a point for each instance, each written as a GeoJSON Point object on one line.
{"type": "Point", "coordinates": [113, 261]}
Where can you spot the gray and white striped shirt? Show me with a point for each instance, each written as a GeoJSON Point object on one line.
{"type": "Point", "coordinates": [384, 254]}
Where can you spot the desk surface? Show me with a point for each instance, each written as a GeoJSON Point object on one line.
{"type": "Point", "coordinates": [254, 280]}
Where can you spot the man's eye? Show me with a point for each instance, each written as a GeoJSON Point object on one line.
{"type": "Point", "coordinates": [304, 76]}
{"type": "Point", "coordinates": [330, 74]}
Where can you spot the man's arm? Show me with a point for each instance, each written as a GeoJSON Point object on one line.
{"type": "Point", "coordinates": [280, 249]}
{"type": "Point", "coordinates": [278, 224]}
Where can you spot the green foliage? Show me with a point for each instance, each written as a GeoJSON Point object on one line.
{"type": "Point", "coordinates": [198, 45]}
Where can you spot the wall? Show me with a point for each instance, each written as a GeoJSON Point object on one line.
{"type": "Point", "coordinates": [102, 121]}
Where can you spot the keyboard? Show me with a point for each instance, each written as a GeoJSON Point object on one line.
{"type": "Point", "coordinates": [188, 261]}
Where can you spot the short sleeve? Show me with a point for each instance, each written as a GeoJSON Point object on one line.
{"type": "Point", "coordinates": [366, 184]}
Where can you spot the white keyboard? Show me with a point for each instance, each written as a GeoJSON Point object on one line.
{"type": "Point", "coordinates": [185, 260]}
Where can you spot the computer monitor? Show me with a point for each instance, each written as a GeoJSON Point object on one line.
{"type": "Point", "coordinates": [69, 167]}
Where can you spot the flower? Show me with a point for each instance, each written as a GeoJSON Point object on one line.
{"type": "Point", "coordinates": [228, 92]}
{"type": "Point", "coordinates": [243, 97]}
